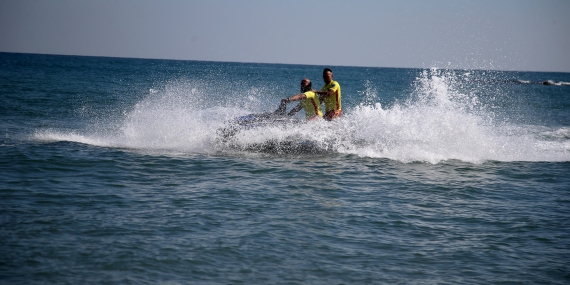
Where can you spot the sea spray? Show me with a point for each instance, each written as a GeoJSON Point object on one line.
{"type": "Point", "coordinates": [449, 115]}
{"type": "Point", "coordinates": [437, 123]}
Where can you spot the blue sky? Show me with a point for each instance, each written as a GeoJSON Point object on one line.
{"type": "Point", "coordinates": [506, 35]}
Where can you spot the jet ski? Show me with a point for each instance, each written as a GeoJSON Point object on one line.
{"type": "Point", "coordinates": [260, 120]}
{"type": "Point", "coordinates": [290, 145]}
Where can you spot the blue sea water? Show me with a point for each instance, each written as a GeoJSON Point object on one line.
{"type": "Point", "coordinates": [113, 171]}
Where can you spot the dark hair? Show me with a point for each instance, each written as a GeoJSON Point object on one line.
{"type": "Point", "coordinates": [309, 87]}
{"type": "Point", "coordinates": [326, 70]}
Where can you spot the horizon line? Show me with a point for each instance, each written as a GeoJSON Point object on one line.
{"type": "Point", "coordinates": [279, 63]}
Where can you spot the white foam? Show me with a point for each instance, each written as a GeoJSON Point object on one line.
{"type": "Point", "coordinates": [437, 123]}
{"type": "Point", "coordinates": [58, 136]}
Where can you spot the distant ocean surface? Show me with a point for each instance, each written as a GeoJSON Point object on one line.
{"type": "Point", "coordinates": [114, 171]}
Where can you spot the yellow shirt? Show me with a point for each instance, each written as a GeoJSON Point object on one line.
{"type": "Point", "coordinates": [312, 105]}
{"type": "Point", "coordinates": [332, 102]}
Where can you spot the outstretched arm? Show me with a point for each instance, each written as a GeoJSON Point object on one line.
{"type": "Point", "coordinates": [283, 107]}
{"type": "Point", "coordinates": [324, 94]}
{"type": "Point", "coordinates": [295, 97]}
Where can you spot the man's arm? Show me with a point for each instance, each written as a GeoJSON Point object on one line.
{"type": "Point", "coordinates": [297, 108]}
{"type": "Point", "coordinates": [295, 98]}
{"type": "Point", "coordinates": [324, 94]}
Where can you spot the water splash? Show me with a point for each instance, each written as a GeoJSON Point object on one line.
{"type": "Point", "coordinates": [437, 122]}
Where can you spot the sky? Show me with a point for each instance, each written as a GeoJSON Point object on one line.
{"type": "Point", "coordinates": [520, 35]}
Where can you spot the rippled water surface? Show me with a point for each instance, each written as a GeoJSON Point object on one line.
{"type": "Point", "coordinates": [113, 171]}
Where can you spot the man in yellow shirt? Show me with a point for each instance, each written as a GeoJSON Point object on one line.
{"type": "Point", "coordinates": [309, 101]}
{"type": "Point", "coordinates": [331, 95]}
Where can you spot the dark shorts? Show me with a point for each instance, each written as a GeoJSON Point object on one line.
{"type": "Point", "coordinates": [332, 114]}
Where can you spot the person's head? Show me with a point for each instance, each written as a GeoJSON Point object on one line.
{"type": "Point", "coordinates": [306, 85]}
{"type": "Point", "coordinates": [327, 75]}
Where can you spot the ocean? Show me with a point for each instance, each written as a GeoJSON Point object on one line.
{"type": "Point", "coordinates": [115, 171]}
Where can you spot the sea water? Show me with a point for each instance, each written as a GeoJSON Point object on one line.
{"type": "Point", "coordinates": [114, 171]}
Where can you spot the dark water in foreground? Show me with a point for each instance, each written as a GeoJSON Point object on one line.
{"type": "Point", "coordinates": [112, 172]}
